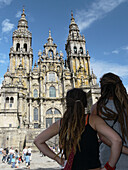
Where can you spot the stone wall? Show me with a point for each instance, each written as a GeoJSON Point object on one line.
{"type": "Point", "coordinates": [18, 138]}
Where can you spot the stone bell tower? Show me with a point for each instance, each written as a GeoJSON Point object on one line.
{"type": "Point", "coordinates": [21, 54]}
{"type": "Point", "coordinates": [15, 86]}
{"type": "Point", "coordinates": [78, 59]}
{"type": "Point", "coordinates": [78, 62]}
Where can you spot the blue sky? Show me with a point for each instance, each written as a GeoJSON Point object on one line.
{"type": "Point", "coordinates": [103, 23]}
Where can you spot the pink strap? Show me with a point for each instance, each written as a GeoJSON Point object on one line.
{"type": "Point", "coordinates": [70, 161]}
{"type": "Point", "coordinates": [86, 122]}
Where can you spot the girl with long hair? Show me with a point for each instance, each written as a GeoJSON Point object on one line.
{"type": "Point", "coordinates": [78, 137]}
{"type": "Point", "coordinates": [112, 106]}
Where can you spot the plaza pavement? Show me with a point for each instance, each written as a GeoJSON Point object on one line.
{"type": "Point", "coordinates": [38, 163]}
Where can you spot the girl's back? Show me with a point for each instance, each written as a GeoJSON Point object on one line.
{"type": "Point", "coordinates": [122, 163]}
{"type": "Point", "coordinates": [88, 156]}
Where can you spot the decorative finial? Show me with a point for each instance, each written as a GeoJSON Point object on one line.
{"type": "Point", "coordinates": [35, 64]}
{"type": "Point", "coordinates": [92, 70]}
{"type": "Point", "coordinates": [87, 53]}
{"type": "Point", "coordinates": [71, 13]}
{"type": "Point", "coordinates": [50, 40]}
{"type": "Point", "coordinates": [49, 33]}
{"type": "Point", "coordinates": [8, 69]}
{"type": "Point", "coordinates": [23, 9]}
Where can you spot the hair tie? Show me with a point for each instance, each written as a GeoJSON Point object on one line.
{"type": "Point", "coordinates": [77, 101]}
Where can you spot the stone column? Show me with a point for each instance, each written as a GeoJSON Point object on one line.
{"type": "Point", "coordinates": [41, 113]}
{"type": "Point", "coordinates": [30, 62]}
{"type": "Point", "coordinates": [73, 80]}
{"type": "Point", "coordinates": [11, 66]}
{"type": "Point", "coordinates": [30, 114]}
{"type": "Point", "coordinates": [30, 101]}
{"type": "Point", "coordinates": [84, 64]}
{"type": "Point", "coordinates": [76, 63]}
{"type": "Point", "coordinates": [71, 64]}
{"type": "Point", "coordinates": [20, 110]}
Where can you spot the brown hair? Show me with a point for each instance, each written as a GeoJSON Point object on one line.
{"type": "Point", "coordinates": [73, 122]}
{"type": "Point", "coordinates": [112, 86]}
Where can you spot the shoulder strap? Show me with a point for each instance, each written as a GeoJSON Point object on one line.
{"type": "Point", "coordinates": [114, 121]}
{"type": "Point", "coordinates": [87, 119]}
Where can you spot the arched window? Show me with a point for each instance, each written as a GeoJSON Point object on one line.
{"type": "Point", "coordinates": [57, 118]}
{"type": "Point", "coordinates": [11, 100]}
{"type": "Point", "coordinates": [35, 114]}
{"type": "Point", "coordinates": [49, 111]}
{"type": "Point", "coordinates": [48, 122]}
{"type": "Point", "coordinates": [56, 111]}
{"type": "Point", "coordinates": [52, 91]}
{"type": "Point", "coordinates": [25, 47]}
{"type": "Point", "coordinates": [7, 99]}
{"type": "Point", "coordinates": [51, 76]}
{"type": "Point", "coordinates": [81, 50]}
{"type": "Point", "coordinates": [35, 93]}
{"type": "Point", "coordinates": [75, 50]}
{"type": "Point", "coordinates": [17, 47]}
{"type": "Point", "coordinates": [50, 53]}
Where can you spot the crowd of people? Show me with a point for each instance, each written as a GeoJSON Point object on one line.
{"type": "Point", "coordinates": [14, 158]}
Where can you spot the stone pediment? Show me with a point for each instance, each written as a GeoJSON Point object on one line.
{"type": "Point", "coordinates": [35, 73]}
{"type": "Point", "coordinates": [35, 84]}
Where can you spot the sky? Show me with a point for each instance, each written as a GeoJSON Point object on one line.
{"type": "Point", "coordinates": [103, 23]}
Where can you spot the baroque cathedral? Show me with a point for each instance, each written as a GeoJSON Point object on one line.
{"type": "Point", "coordinates": [33, 97]}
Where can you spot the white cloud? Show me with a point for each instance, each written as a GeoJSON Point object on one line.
{"type": "Point", "coordinates": [102, 67]}
{"type": "Point", "coordinates": [1, 78]}
{"type": "Point", "coordinates": [106, 53]}
{"type": "Point", "coordinates": [125, 48]}
{"type": "Point", "coordinates": [115, 52]}
{"type": "Point", "coordinates": [5, 2]}
{"type": "Point", "coordinates": [97, 10]}
{"type": "Point", "coordinates": [18, 15]}
{"type": "Point", "coordinates": [2, 61]}
{"type": "Point", "coordinates": [7, 26]}
{"type": "Point", "coordinates": [3, 58]}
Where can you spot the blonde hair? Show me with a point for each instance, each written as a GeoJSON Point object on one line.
{"type": "Point", "coordinates": [73, 122]}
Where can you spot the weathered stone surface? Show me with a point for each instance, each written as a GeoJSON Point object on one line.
{"type": "Point", "coordinates": [31, 99]}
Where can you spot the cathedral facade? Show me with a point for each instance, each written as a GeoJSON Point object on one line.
{"type": "Point", "coordinates": [33, 97]}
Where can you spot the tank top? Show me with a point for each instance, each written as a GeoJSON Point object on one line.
{"type": "Point", "coordinates": [122, 163]}
{"type": "Point", "coordinates": [88, 157]}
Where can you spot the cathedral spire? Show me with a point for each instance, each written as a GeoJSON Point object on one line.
{"type": "Point", "coordinates": [71, 13]}
{"type": "Point", "coordinates": [50, 39]}
{"type": "Point", "coordinates": [73, 26]}
{"type": "Point", "coordinates": [23, 23]}
{"type": "Point", "coordinates": [72, 18]}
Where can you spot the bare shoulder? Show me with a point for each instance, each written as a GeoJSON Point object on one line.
{"type": "Point", "coordinates": [94, 117]}
{"type": "Point", "coordinates": [94, 109]}
{"type": "Point", "coordinates": [94, 120]}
